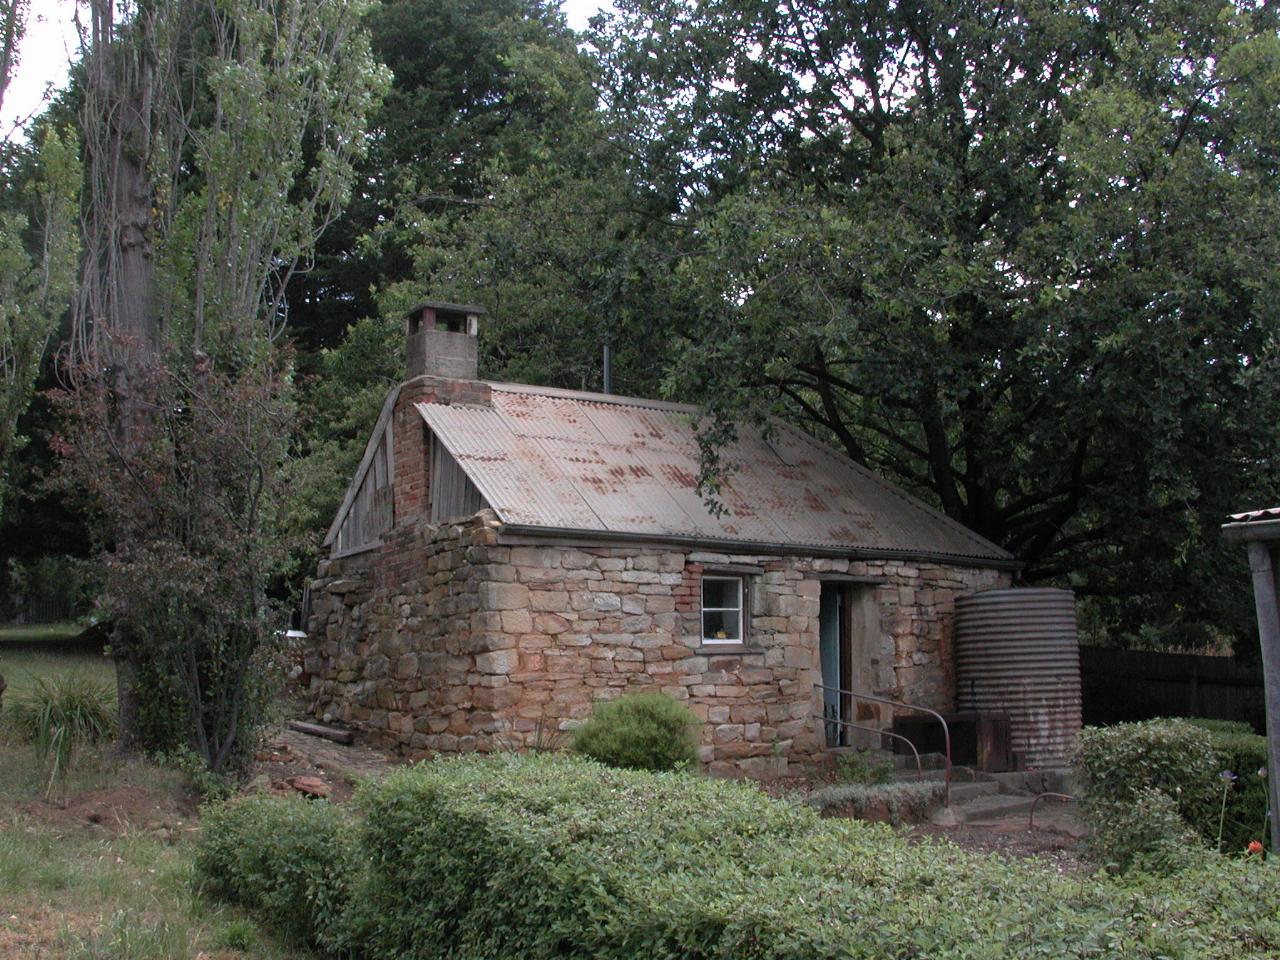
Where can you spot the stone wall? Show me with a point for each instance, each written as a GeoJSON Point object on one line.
{"type": "Point", "coordinates": [448, 639]}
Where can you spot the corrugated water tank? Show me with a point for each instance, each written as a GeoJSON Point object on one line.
{"type": "Point", "coordinates": [1017, 650]}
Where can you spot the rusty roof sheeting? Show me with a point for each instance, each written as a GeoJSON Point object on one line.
{"type": "Point", "coordinates": [1252, 516]}
{"type": "Point", "coordinates": [582, 462]}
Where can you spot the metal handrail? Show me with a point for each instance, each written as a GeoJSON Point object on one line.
{"type": "Point", "coordinates": [1031, 817]}
{"type": "Point", "coordinates": [885, 733]}
{"type": "Point", "coordinates": [946, 731]}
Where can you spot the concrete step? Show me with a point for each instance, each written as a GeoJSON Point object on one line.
{"type": "Point", "coordinates": [965, 792]}
{"type": "Point", "coordinates": [958, 775]}
{"type": "Point", "coordinates": [991, 807]}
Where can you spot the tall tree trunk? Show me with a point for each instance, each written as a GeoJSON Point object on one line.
{"type": "Point", "coordinates": [116, 327]}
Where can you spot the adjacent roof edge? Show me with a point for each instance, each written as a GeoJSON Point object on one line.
{"type": "Point", "coordinates": [1253, 525]}
{"type": "Point", "coordinates": [383, 421]}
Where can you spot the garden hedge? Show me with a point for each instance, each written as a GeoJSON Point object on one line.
{"type": "Point", "coordinates": [548, 856]}
{"type": "Point", "coordinates": [290, 861]}
{"type": "Point", "coordinates": [1186, 760]}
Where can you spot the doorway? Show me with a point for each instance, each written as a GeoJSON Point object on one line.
{"type": "Point", "coordinates": [844, 632]}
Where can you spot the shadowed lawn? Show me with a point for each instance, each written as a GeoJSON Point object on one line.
{"type": "Point", "coordinates": [37, 632]}
{"type": "Point", "coordinates": [104, 869]}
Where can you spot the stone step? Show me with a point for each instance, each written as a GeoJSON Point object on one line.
{"type": "Point", "coordinates": [958, 775]}
{"type": "Point", "coordinates": [991, 807]}
{"type": "Point", "coordinates": [965, 792]}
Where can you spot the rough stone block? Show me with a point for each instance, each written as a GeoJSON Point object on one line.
{"type": "Point", "coordinates": [504, 596]}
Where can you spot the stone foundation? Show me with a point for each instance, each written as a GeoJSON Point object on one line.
{"type": "Point", "coordinates": [446, 639]}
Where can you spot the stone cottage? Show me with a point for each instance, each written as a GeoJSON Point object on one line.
{"type": "Point", "coordinates": [508, 555]}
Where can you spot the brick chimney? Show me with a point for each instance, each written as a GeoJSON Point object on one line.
{"type": "Point", "coordinates": [441, 339]}
{"type": "Point", "coordinates": [441, 349]}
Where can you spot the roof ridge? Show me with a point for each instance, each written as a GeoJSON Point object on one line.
{"type": "Point", "coordinates": [592, 397]}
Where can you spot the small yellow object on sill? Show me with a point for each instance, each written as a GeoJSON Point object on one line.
{"type": "Point", "coordinates": [721, 635]}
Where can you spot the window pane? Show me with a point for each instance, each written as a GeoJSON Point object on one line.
{"type": "Point", "coordinates": [720, 625]}
{"type": "Point", "coordinates": [721, 592]}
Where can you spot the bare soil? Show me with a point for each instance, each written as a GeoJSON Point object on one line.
{"type": "Point", "coordinates": [287, 755]}
{"type": "Point", "coordinates": [1054, 839]}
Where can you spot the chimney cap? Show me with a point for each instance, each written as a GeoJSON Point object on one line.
{"type": "Point", "coordinates": [450, 307]}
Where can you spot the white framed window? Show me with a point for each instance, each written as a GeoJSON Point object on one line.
{"type": "Point", "coordinates": [722, 609]}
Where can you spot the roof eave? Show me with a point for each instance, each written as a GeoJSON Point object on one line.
{"type": "Point", "coordinates": [758, 547]}
{"type": "Point", "coordinates": [1246, 530]}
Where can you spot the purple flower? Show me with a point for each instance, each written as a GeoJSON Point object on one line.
{"type": "Point", "coordinates": [1228, 777]}
{"type": "Point", "coordinates": [1262, 773]}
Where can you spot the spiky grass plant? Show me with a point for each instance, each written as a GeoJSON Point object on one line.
{"type": "Point", "coordinates": [61, 713]}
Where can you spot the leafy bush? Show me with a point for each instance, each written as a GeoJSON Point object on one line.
{"type": "Point", "coordinates": [1245, 755]}
{"type": "Point", "coordinates": [552, 857]}
{"type": "Point", "coordinates": [61, 713]}
{"type": "Point", "coordinates": [907, 802]}
{"type": "Point", "coordinates": [864, 766]}
{"type": "Point", "coordinates": [1220, 726]}
{"type": "Point", "coordinates": [291, 861]}
{"type": "Point", "coordinates": [1146, 832]}
{"type": "Point", "coordinates": [1183, 760]}
{"type": "Point", "coordinates": [641, 731]}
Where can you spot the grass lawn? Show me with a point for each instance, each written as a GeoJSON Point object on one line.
{"type": "Point", "coordinates": [104, 870]}
{"type": "Point", "coordinates": [35, 632]}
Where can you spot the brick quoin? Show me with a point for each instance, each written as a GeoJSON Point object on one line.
{"type": "Point", "coordinates": [411, 491]}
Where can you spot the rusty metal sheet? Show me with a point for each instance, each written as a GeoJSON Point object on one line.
{"type": "Point", "coordinates": [1017, 650]}
{"type": "Point", "coordinates": [515, 477]}
{"type": "Point", "coordinates": [571, 461]}
{"type": "Point", "coordinates": [1249, 516]}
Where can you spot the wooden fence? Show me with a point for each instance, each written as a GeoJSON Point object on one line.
{"type": "Point", "coordinates": [1120, 685]}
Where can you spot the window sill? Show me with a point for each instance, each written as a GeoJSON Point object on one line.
{"type": "Point", "coordinates": [727, 650]}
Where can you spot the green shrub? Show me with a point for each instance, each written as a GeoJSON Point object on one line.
{"type": "Point", "coordinates": [1183, 760]}
{"type": "Point", "coordinates": [61, 713]}
{"type": "Point", "coordinates": [640, 731]}
{"type": "Point", "coordinates": [540, 857]}
{"type": "Point", "coordinates": [906, 802]}
{"type": "Point", "coordinates": [553, 856]}
{"type": "Point", "coordinates": [864, 766]}
{"type": "Point", "coordinates": [1220, 726]}
{"type": "Point", "coordinates": [291, 861]}
{"type": "Point", "coordinates": [1245, 755]}
{"type": "Point", "coordinates": [1146, 832]}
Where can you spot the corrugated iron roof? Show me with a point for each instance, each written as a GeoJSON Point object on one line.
{"type": "Point", "coordinates": [594, 463]}
{"type": "Point", "coordinates": [1249, 516]}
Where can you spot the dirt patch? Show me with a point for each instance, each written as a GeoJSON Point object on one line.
{"type": "Point", "coordinates": [288, 758]}
{"type": "Point", "coordinates": [1054, 839]}
{"type": "Point", "coordinates": [37, 931]}
{"type": "Point", "coordinates": [163, 811]}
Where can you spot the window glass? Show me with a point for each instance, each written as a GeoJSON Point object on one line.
{"type": "Point", "coordinates": [722, 609]}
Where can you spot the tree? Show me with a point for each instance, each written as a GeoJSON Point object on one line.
{"type": "Point", "coordinates": [493, 178]}
{"type": "Point", "coordinates": [1017, 256]}
{"type": "Point", "coordinates": [219, 143]}
{"type": "Point", "coordinates": [38, 249]}
{"type": "Point", "coordinates": [456, 106]}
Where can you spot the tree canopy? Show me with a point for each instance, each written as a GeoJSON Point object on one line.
{"type": "Point", "coordinates": [1016, 256]}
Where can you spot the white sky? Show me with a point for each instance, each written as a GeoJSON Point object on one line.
{"type": "Point", "coordinates": [50, 43]}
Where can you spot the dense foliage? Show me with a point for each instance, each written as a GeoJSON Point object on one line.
{"type": "Point", "coordinates": [639, 731]}
{"type": "Point", "coordinates": [38, 250]}
{"type": "Point", "coordinates": [904, 802]}
{"type": "Point", "coordinates": [61, 714]}
{"type": "Point", "coordinates": [219, 142]}
{"type": "Point", "coordinates": [546, 856]}
{"type": "Point", "coordinates": [293, 862]}
{"type": "Point", "coordinates": [1212, 774]}
{"type": "Point", "coordinates": [1018, 257]}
